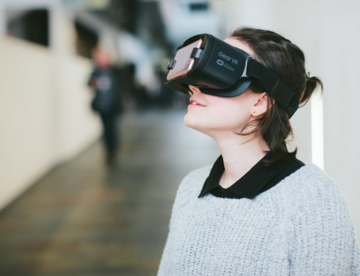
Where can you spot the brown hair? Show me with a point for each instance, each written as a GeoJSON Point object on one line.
{"type": "Point", "coordinates": [287, 61]}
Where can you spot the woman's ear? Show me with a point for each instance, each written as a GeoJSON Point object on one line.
{"type": "Point", "coordinates": [260, 105]}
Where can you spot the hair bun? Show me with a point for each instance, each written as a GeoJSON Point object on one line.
{"type": "Point", "coordinates": [311, 84]}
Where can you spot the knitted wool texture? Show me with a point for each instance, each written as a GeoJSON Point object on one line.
{"type": "Point", "coordinates": [301, 226]}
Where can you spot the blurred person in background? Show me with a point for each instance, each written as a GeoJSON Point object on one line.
{"type": "Point", "coordinates": [106, 101]}
{"type": "Point", "coordinates": [258, 210]}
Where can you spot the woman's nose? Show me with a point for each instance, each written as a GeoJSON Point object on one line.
{"type": "Point", "coordinates": [194, 89]}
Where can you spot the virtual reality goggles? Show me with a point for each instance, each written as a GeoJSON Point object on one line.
{"type": "Point", "coordinates": [220, 69]}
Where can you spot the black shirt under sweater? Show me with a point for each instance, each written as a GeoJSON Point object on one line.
{"type": "Point", "coordinates": [256, 181]}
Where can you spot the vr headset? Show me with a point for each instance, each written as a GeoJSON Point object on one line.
{"type": "Point", "coordinates": [222, 70]}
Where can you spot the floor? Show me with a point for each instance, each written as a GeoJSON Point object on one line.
{"type": "Point", "coordinates": [84, 218]}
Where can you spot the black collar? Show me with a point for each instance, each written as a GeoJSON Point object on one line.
{"type": "Point", "coordinates": [257, 180]}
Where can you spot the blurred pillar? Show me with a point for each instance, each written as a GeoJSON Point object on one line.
{"type": "Point", "coordinates": [61, 30]}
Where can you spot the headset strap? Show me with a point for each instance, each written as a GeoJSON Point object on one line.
{"type": "Point", "coordinates": [282, 93]}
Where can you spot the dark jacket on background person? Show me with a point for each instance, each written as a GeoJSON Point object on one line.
{"type": "Point", "coordinates": [107, 98]}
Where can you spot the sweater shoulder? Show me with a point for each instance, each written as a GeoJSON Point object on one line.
{"type": "Point", "coordinates": [311, 182]}
{"type": "Point", "coordinates": [312, 195]}
{"type": "Point", "coordinates": [194, 179]}
{"type": "Point", "coordinates": [191, 186]}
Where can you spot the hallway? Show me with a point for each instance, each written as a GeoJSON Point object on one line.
{"type": "Point", "coordinates": [85, 219]}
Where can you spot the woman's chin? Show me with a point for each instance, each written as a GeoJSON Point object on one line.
{"type": "Point", "coordinates": [194, 123]}
{"type": "Point", "coordinates": [191, 121]}
{"type": "Point", "coordinates": [188, 121]}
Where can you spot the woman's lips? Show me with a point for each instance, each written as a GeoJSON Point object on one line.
{"type": "Point", "coordinates": [195, 103]}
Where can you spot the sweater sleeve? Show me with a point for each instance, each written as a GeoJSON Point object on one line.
{"type": "Point", "coordinates": [165, 263]}
{"type": "Point", "coordinates": [323, 239]}
{"type": "Point", "coordinates": [184, 194]}
{"type": "Point", "coordinates": [355, 268]}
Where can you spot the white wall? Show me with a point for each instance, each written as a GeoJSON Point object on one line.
{"type": "Point", "coordinates": [44, 102]}
{"type": "Point", "coordinates": [77, 125]}
{"type": "Point", "coordinates": [328, 34]}
{"type": "Point", "coordinates": [44, 113]}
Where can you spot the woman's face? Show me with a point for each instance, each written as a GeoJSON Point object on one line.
{"type": "Point", "coordinates": [212, 114]}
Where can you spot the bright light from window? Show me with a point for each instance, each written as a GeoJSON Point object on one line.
{"type": "Point", "coordinates": [317, 130]}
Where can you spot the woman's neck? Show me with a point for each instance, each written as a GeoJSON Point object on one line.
{"type": "Point", "coordinates": [240, 154]}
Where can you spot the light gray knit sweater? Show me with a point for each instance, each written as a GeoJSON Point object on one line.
{"type": "Point", "coordinates": [301, 226]}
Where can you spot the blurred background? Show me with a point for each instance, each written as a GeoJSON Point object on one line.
{"type": "Point", "coordinates": [63, 209]}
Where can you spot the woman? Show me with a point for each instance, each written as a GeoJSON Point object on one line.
{"type": "Point", "coordinates": [258, 210]}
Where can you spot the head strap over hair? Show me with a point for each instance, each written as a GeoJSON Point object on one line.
{"type": "Point", "coordinates": [273, 85]}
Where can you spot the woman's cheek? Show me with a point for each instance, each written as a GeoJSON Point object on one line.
{"type": "Point", "coordinates": [216, 100]}
{"type": "Point", "coordinates": [224, 108]}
